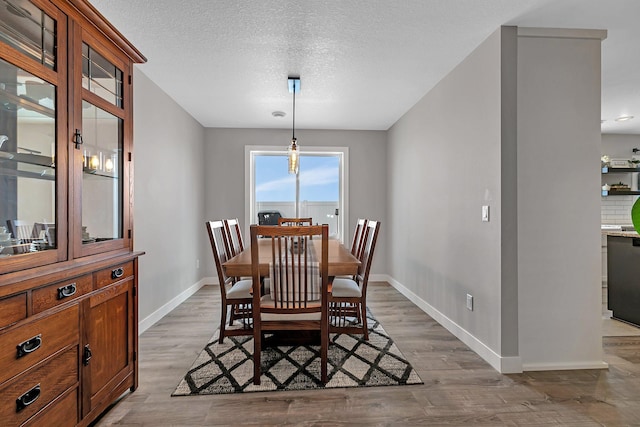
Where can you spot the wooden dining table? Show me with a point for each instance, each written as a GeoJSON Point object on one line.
{"type": "Point", "coordinates": [341, 261]}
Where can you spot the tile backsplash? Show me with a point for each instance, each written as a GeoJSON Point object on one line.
{"type": "Point", "coordinates": [616, 209]}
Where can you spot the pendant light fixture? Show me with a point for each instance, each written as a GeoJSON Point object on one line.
{"type": "Point", "coordinates": [293, 152]}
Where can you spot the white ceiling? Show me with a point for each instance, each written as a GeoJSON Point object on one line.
{"type": "Point", "coordinates": [362, 63]}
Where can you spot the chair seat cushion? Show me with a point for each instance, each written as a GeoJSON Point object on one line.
{"type": "Point", "coordinates": [266, 301]}
{"type": "Point", "coordinates": [345, 288]}
{"type": "Point", "coordinates": [240, 289]}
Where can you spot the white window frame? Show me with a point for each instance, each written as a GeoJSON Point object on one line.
{"type": "Point", "coordinates": [250, 151]}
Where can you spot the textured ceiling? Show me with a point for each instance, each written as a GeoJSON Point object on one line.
{"type": "Point", "coordinates": [362, 63]}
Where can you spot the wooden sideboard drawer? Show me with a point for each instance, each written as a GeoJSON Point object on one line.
{"type": "Point", "coordinates": [63, 413]}
{"type": "Point", "coordinates": [61, 292]}
{"type": "Point", "coordinates": [113, 274]}
{"type": "Point", "coordinates": [13, 309]}
{"type": "Point", "coordinates": [29, 393]}
{"type": "Point", "coordinates": [28, 344]}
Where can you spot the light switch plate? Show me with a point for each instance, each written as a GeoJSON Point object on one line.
{"type": "Point", "coordinates": [485, 213]}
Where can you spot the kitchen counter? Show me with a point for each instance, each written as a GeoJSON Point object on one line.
{"type": "Point", "coordinates": [620, 230]}
{"type": "Point", "coordinates": [623, 269]}
{"type": "Point", "coordinates": [620, 233]}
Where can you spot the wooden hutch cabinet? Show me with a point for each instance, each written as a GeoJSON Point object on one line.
{"type": "Point", "coordinates": [68, 272]}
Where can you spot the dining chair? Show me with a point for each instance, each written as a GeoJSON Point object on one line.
{"type": "Point", "coordinates": [356, 244]}
{"type": "Point", "coordinates": [294, 221]}
{"type": "Point", "coordinates": [348, 297]}
{"type": "Point", "coordinates": [22, 230]}
{"type": "Point", "coordinates": [298, 287]}
{"type": "Point", "coordinates": [234, 293]}
{"type": "Point", "coordinates": [46, 230]}
{"type": "Point", "coordinates": [234, 235]}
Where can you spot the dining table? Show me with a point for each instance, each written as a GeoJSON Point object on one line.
{"type": "Point", "coordinates": [341, 261]}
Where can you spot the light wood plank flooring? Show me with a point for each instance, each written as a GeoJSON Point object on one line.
{"type": "Point", "coordinates": [459, 387]}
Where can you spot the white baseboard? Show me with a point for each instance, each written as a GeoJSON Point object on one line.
{"type": "Point", "coordinates": [154, 317]}
{"type": "Point", "coordinates": [564, 366]}
{"type": "Point", "coordinates": [504, 365]}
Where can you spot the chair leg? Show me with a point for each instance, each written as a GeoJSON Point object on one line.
{"type": "Point", "coordinates": [257, 349]}
{"type": "Point", "coordinates": [363, 315]}
{"type": "Point", "coordinates": [223, 321]}
{"type": "Point", "coordinates": [234, 307]}
{"type": "Point", "coordinates": [324, 353]}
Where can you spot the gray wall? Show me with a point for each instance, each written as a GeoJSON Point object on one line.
{"type": "Point", "coordinates": [225, 187]}
{"type": "Point", "coordinates": [444, 164]}
{"type": "Point", "coordinates": [514, 126]}
{"type": "Point", "coordinates": [168, 195]}
{"type": "Point", "coordinates": [559, 268]}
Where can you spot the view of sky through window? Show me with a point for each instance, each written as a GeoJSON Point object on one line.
{"type": "Point", "coordinates": [319, 179]}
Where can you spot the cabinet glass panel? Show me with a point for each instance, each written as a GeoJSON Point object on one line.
{"type": "Point", "coordinates": [101, 76]}
{"type": "Point", "coordinates": [27, 28]}
{"type": "Point", "coordinates": [102, 134]}
{"type": "Point", "coordinates": [27, 162]}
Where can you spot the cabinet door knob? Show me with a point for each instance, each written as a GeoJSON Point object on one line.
{"type": "Point", "coordinates": [28, 398]}
{"type": "Point", "coordinates": [117, 273]}
{"type": "Point", "coordinates": [86, 357]}
{"type": "Point", "coordinates": [29, 346]}
{"type": "Point", "coordinates": [66, 291]}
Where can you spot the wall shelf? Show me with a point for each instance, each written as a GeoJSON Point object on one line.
{"type": "Point", "coordinates": [27, 103]}
{"type": "Point", "coordinates": [620, 193]}
{"type": "Point", "coordinates": [609, 171]}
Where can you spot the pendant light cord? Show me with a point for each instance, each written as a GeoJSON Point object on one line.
{"type": "Point", "coordinates": [294, 112]}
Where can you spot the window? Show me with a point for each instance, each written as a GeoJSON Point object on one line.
{"type": "Point", "coordinates": [318, 191]}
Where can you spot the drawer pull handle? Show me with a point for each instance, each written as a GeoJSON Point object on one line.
{"type": "Point", "coordinates": [28, 398]}
{"type": "Point", "coordinates": [67, 291]}
{"type": "Point", "coordinates": [117, 273]}
{"type": "Point", "coordinates": [87, 355]}
{"type": "Point", "coordinates": [29, 346]}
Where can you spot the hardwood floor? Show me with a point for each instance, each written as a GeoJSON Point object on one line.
{"type": "Point", "coordinates": [459, 387]}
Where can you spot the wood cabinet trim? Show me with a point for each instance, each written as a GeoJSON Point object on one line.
{"type": "Point", "coordinates": [53, 332]}
{"type": "Point", "coordinates": [84, 11]}
{"type": "Point", "coordinates": [20, 281]}
{"type": "Point", "coordinates": [56, 331]}
{"type": "Point", "coordinates": [46, 297]}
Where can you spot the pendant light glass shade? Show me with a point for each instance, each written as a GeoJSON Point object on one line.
{"type": "Point", "coordinates": [294, 157]}
{"type": "Point", "coordinates": [293, 153]}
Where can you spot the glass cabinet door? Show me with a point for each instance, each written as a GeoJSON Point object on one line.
{"type": "Point", "coordinates": [102, 132]}
{"type": "Point", "coordinates": [32, 162]}
{"type": "Point", "coordinates": [101, 178]}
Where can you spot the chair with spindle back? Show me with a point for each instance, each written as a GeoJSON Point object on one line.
{"type": "Point", "coordinates": [234, 293]}
{"type": "Point", "coordinates": [299, 287]}
{"type": "Point", "coordinates": [358, 234]}
{"type": "Point", "coordinates": [22, 230]}
{"type": "Point", "coordinates": [234, 236]}
{"type": "Point", "coordinates": [294, 221]}
{"type": "Point", "coordinates": [348, 297]}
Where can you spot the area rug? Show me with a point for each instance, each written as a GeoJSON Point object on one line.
{"type": "Point", "coordinates": [353, 362]}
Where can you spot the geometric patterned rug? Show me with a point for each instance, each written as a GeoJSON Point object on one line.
{"type": "Point", "coordinates": [353, 362]}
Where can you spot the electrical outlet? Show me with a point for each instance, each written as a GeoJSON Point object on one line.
{"type": "Point", "coordinates": [469, 302]}
{"type": "Point", "coordinates": [197, 263]}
